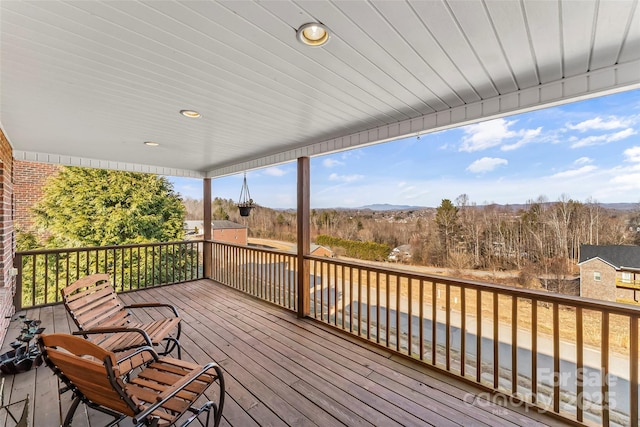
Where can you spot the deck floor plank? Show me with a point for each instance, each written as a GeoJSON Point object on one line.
{"type": "Point", "coordinates": [366, 367]}
{"type": "Point", "coordinates": [434, 384]}
{"type": "Point", "coordinates": [279, 363]}
{"type": "Point", "coordinates": [46, 393]}
{"type": "Point", "coordinates": [293, 409]}
{"type": "Point", "coordinates": [281, 370]}
{"type": "Point", "coordinates": [349, 376]}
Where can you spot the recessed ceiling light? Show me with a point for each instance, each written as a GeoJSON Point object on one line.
{"type": "Point", "coordinates": [151, 143]}
{"type": "Point", "coordinates": [313, 34]}
{"type": "Point", "coordinates": [190, 113]}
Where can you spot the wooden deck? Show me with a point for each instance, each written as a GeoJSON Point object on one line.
{"type": "Point", "coordinates": [280, 371]}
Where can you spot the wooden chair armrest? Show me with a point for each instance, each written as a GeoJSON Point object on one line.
{"type": "Point", "coordinates": [176, 388]}
{"type": "Point", "coordinates": [152, 305]}
{"type": "Point", "coordinates": [139, 350]}
{"type": "Point", "coordinates": [115, 330]}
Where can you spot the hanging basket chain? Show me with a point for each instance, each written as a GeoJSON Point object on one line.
{"type": "Point", "coordinates": [245, 199]}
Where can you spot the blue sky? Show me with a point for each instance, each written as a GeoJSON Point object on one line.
{"type": "Point", "coordinates": [584, 150]}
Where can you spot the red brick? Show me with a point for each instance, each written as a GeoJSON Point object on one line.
{"type": "Point", "coordinates": [7, 235]}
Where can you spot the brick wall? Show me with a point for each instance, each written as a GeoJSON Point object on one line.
{"type": "Point", "coordinates": [29, 178]}
{"type": "Point", "coordinates": [7, 236]}
{"type": "Point", "coordinates": [605, 289]}
{"type": "Point", "coordinates": [237, 236]}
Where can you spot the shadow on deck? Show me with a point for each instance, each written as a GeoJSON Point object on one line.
{"type": "Point", "coordinates": [280, 370]}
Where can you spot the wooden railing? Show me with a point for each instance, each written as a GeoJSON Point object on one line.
{"type": "Point", "coordinates": [569, 356]}
{"type": "Point", "coordinates": [573, 357]}
{"type": "Point", "coordinates": [263, 273]}
{"type": "Point", "coordinates": [629, 284]}
{"type": "Point", "coordinates": [42, 273]}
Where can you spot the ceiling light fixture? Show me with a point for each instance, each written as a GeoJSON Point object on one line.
{"type": "Point", "coordinates": [151, 143]}
{"type": "Point", "coordinates": [313, 34]}
{"type": "Point", "coordinates": [190, 113]}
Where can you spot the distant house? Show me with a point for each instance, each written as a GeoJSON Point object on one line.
{"type": "Point", "coordinates": [221, 230]}
{"type": "Point", "coordinates": [194, 228]}
{"type": "Point", "coordinates": [318, 250]}
{"type": "Point", "coordinates": [400, 254]}
{"type": "Point", "coordinates": [610, 273]}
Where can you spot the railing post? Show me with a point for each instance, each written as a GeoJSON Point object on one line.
{"type": "Point", "coordinates": [17, 297]}
{"type": "Point", "coordinates": [304, 242]}
{"type": "Point", "coordinates": [206, 247]}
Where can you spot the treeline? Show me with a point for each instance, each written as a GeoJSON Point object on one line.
{"type": "Point", "coordinates": [541, 238]}
{"type": "Point", "coordinates": [355, 249]}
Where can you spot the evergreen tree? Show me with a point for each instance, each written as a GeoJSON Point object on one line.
{"type": "Point", "coordinates": [447, 221]}
{"type": "Point", "coordinates": [96, 207]}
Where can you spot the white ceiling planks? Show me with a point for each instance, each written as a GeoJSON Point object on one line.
{"type": "Point", "coordinates": [89, 82]}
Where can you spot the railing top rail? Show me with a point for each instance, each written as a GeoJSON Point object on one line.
{"type": "Point", "coordinates": [253, 248]}
{"type": "Point", "coordinates": [95, 248]}
{"type": "Point", "coordinates": [542, 296]}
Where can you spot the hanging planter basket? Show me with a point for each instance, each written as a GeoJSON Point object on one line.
{"type": "Point", "coordinates": [245, 202]}
{"type": "Point", "coordinates": [245, 210]}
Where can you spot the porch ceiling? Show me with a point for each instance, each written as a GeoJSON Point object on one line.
{"type": "Point", "coordinates": [88, 82]}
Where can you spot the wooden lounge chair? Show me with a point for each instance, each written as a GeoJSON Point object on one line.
{"type": "Point", "coordinates": [159, 394]}
{"type": "Point", "coordinates": [101, 316]}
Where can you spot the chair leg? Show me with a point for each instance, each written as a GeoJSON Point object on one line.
{"type": "Point", "coordinates": [69, 418]}
{"type": "Point", "coordinates": [171, 344]}
{"type": "Point", "coordinates": [196, 412]}
{"type": "Point", "coordinates": [217, 414]}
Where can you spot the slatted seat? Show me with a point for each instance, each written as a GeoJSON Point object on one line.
{"type": "Point", "coordinates": [101, 317]}
{"type": "Point", "coordinates": [159, 394]}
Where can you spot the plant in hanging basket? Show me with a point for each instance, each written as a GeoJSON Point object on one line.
{"type": "Point", "coordinates": [245, 207]}
{"type": "Point", "coordinates": [245, 202]}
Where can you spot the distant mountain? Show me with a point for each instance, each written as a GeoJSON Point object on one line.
{"type": "Point", "coordinates": [612, 206]}
{"type": "Point", "coordinates": [514, 207]}
{"type": "Point", "coordinates": [388, 207]}
{"type": "Point", "coordinates": [621, 206]}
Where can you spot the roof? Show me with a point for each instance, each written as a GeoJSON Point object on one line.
{"type": "Point", "coordinates": [224, 224]}
{"type": "Point", "coordinates": [87, 82]}
{"type": "Point", "coordinates": [617, 255]}
{"type": "Point", "coordinates": [314, 247]}
{"type": "Point", "coordinates": [216, 224]}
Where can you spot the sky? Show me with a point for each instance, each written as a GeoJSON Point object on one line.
{"type": "Point", "coordinates": [586, 151]}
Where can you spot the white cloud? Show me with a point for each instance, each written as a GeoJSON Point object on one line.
{"type": "Point", "coordinates": [627, 182]}
{"type": "Point", "coordinates": [330, 163]}
{"type": "Point", "coordinates": [633, 154]}
{"type": "Point", "coordinates": [583, 161]}
{"type": "Point", "coordinates": [407, 189]}
{"type": "Point", "coordinates": [345, 178]}
{"type": "Point", "coordinates": [526, 136]}
{"type": "Point", "coordinates": [575, 172]}
{"type": "Point", "coordinates": [485, 135]}
{"type": "Point", "coordinates": [493, 133]}
{"type": "Point", "coordinates": [275, 171]}
{"type": "Point", "coordinates": [603, 139]}
{"type": "Point", "coordinates": [486, 164]}
{"type": "Point", "coordinates": [598, 123]}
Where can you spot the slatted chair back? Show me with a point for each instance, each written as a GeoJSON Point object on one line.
{"type": "Point", "coordinates": [81, 366]}
{"type": "Point", "coordinates": [92, 302]}
{"type": "Point", "coordinates": [99, 313]}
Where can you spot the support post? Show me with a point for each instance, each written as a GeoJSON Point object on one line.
{"type": "Point", "coordinates": [304, 241]}
{"type": "Point", "coordinates": [206, 250]}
